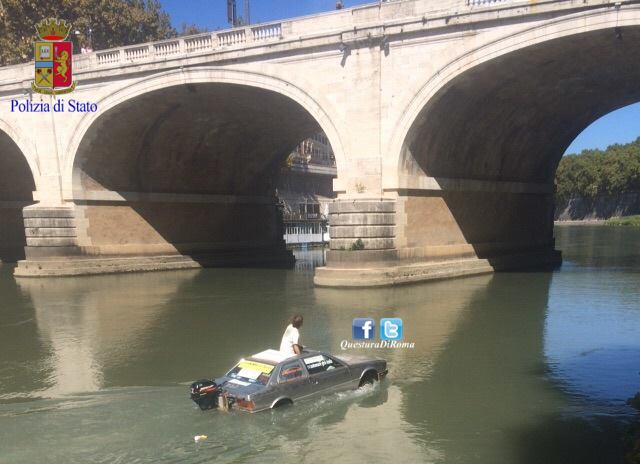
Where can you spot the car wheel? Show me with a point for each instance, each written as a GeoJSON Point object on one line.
{"type": "Point", "coordinates": [282, 403]}
{"type": "Point", "coordinates": [368, 379]}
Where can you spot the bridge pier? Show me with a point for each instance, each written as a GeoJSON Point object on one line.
{"type": "Point", "coordinates": [50, 232]}
{"type": "Point", "coordinates": [428, 236]}
{"type": "Point", "coordinates": [114, 237]}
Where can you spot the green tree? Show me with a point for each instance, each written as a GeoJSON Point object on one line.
{"type": "Point", "coordinates": [191, 29]}
{"type": "Point", "coordinates": [596, 172]}
{"type": "Point", "coordinates": [113, 23]}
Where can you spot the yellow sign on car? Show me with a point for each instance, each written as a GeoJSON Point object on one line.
{"type": "Point", "coordinates": [255, 366]}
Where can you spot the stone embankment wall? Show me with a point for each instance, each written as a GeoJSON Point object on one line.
{"type": "Point", "coordinates": [599, 207]}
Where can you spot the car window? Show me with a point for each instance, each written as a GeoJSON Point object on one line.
{"type": "Point", "coordinates": [320, 363]}
{"type": "Point", "coordinates": [248, 372]}
{"type": "Point", "coordinates": [291, 371]}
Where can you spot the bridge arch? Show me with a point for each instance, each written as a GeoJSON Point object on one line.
{"type": "Point", "coordinates": [612, 26]}
{"type": "Point", "coordinates": [203, 75]}
{"type": "Point", "coordinates": [186, 162]}
{"type": "Point", "coordinates": [477, 149]}
{"type": "Point", "coordinates": [18, 177]}
{"type": "Point", "coordinates": [25, 146]}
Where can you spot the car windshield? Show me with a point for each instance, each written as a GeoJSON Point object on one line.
{"type": "Point", "coordinates": [251, 372]}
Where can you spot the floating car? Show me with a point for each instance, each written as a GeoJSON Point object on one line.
{"type": "Point", "coordinates": [271, 379]}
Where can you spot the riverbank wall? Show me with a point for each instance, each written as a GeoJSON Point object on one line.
{"type": "Point", "coordinates": [601, 207]}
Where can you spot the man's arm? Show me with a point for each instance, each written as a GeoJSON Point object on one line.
{"type": "Point", "coordinates": [297, 347]}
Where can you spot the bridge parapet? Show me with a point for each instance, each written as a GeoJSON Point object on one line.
{"type": "Point", "coordinates": [210, 41]}
{"type": "Point", "coordinates": [359, 26]}
{"type": "Point", "coordinates": [477, 3]}
{"type": "Point", "coordinates": [180, 46]}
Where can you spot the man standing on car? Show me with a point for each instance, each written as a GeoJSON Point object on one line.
{"type": "Point", "coordinates": [291, 337]}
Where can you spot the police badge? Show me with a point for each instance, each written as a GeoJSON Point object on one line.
{"type": "Point", "coordinates": [53, 55]}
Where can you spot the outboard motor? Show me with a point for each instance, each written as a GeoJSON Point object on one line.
{"type": "Point", "coordinates": [205, 393]}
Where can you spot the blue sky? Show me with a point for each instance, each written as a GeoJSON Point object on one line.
{"type": "Point", "coordinates": [212, 14]}
{"type": "Point", "coordinates": [621, 126]}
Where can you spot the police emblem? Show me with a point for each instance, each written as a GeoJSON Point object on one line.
{"type": "Point", "coordinates": [53, 55]}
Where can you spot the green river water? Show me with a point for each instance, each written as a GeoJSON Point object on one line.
{"type": "Point", "coordinates": [523, 367]}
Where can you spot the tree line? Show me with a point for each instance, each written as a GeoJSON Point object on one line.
{"type": "Point", "coordinates": [100, 24]}
{"type": "Point", "coordinates": [599, 172]}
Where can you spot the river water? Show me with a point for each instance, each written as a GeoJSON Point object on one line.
{"type": "Point", "coordinates": [526, 367]}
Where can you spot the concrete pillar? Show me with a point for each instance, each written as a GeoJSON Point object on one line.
{"type": "Point", "coordinates": [50, 233]}
{"type": "Point", "coordinates": [419, 237]}
{"type": "Point", "coordinates": [369, 223]}
{"type": "Point", "coordinates": [150, 236]}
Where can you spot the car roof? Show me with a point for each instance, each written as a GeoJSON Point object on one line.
{"type": "Point", "coordinates": [270, 356]}
{"type": "Point", "coordinates": [275, 357]}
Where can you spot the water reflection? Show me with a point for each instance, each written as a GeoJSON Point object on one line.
{"type": "Point", "coordinates": [22, 351]}
{"type": "Point", "coordinates": [490, 379]}
{"type": "Point", "coordinates": [373, 430]}
{"type": "Point", "coordinates": [307, 259]}
{"type": "Point", "coordinates": [591, 333]}
{"type": "Point", "coordinates": [593, 247]}
{"type": "Point", "coordinates": [431, 315]}
{"type": "Point", "coordinates": [88, 326]}
{"type": "Point", "coordinates": [508, 368]}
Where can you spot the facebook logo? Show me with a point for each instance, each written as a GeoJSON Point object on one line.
{"type": "Point", "coordinates": [363, 328]}
{"type": "Point", "coordinates": [391, 328]}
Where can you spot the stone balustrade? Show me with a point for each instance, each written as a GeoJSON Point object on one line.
{"type": "Point", "coordinates": [167, 48]}
{"type": "Point", "coordinates": [435, 13]}
{"type": "Point", "coordinates": [232, 38]}
{"type": "Point", "coordinates": [479, 3]}
{"type": "Point", "coordinates": [267, 32]}
{"type": "Point", "coordinates": [184, 45]}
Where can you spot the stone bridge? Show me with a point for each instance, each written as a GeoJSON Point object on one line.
{"type": "Point", "coordinates": [447, 119]}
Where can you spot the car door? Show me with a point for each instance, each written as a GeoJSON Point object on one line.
{"type": "Point", "coordinates": [327, 373]}
{"type": "Point", "coordinates": [293, 381]}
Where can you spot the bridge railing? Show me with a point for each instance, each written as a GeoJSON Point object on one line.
{"type": "Point", "coordinates": [474, 3]}
{"type": "Point", "coordinates": [333, 23]}
{"type": "Point", "coordinates": [180, 46]}
{"type": "Point", "coordinates": [211, 41]}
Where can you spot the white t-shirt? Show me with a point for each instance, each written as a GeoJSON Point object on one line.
{"type": "Point", "coordinates": [290, 338]}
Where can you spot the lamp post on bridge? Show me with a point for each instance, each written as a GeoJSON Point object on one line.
{"type": "Point", "coordinates": [87, 46]}
{"type": "Point", "coordinates": [232, 13]}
